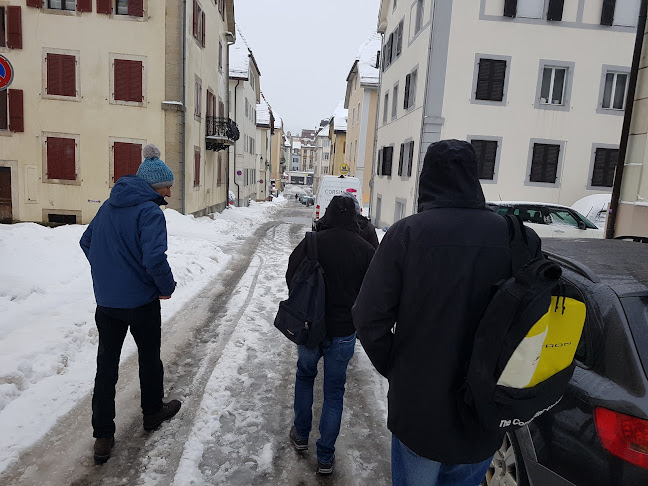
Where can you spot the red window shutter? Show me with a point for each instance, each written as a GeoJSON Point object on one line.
{"type": "Point", "coordinates": [135, 81]}
{"type": "Point", "coordinates": [84, 5]}
{"type": "Point", "coordinates": [14, 28]}
{"type": "Point", "coordinates": [54, 68]}
{"type": "Point", "coordinates": [128, 80]}
{"type": "Point", "coordinates": [121, 157]}
{"type": "Point", "coordinates": [68, 75]}
{"type": "Point", "coordinates": [104, 6]}
{"type": "Point", "coordinates": [135, 157]}
{"type": "Point", "coordinates": [195, 19]}
{"type": "Point", "coordinates": [204, 28]}
{"type": "Point", "coordinates": [136, 8]}
{"type": "Point", "coordinates": [61, 158]}
{"type": "Point", "coordinates": [196, 169]}
{"type": "Point", "coordinates": [120, 80]}
{"type": "Point", "coordinates": [16, 117]}
{"type": "Point", "coordinates": [4, 119]}
{"type": "Point", "coordinates": [35, 3]}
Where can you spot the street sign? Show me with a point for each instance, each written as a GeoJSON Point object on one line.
{"type": "Point", "coordinates": [261, 181]}
{"type": "Point", "coordinates": [6, 73]}
{"type": "Point", "coordinates": [344, 169]}
{"type": "Point", "coordinates": [239, 172]}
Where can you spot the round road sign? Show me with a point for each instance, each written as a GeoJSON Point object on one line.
{"type": "Point", "coordinates": [6, 73]}
{"type": "Point", "coordinates": [344, 169]}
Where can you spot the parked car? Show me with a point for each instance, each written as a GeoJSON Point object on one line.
{"type": "Point", "coordinates": [594, 207]}
{"type": "Point", "coordinates": [550, 220]}
{"type": "Point", "coordinates": [598, 434]}
{"type": "Point", "coordinates": [307, 199]}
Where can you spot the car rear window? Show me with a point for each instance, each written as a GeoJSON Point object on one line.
{"type": "Point", "coordinates": [636, 309]}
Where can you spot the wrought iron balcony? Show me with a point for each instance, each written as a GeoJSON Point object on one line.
{"type": "Point", "coordinates": [221, 132]}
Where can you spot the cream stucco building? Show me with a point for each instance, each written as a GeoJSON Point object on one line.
{"type": "Point", "coordinates": [537, 86]}
{"type": "Point", "coordinates": [96, 81]}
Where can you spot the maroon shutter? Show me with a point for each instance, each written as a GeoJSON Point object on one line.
{"type": "Point", "coordinates": [84, 5]}
{"type": "Point", "coordinates": [35, 3]}
{"type": "Point", "coordinates": [60, 158]}
{"type": "Point", "coordinates": [204, 28]}
{"type": "Point", "coordinates": [135, 81]}
{"type": "Point", "coordinates": [14, 28]}
{"type": "Point", "coordinates": [195, 19]}
{"type": "Point", "coordinates": [136, 8]}
{"type": "Point", "coordinates": [104, 6]}
{"type": "Point", "coordinates": [16, 117]}
{"type": "Point", "coordinates": [4, 119]}
{"type": "Point", "coordinates": [121, 157]}
{"type": "Point", "coordinates": [196, 169]}
{"type": "Point", "coordinates": [68, 75]}
{"type": "Point", "coordinates": [135, 157]}
{"type": "Point", "coordinates": [128, 80]}
{"type": "Point", "coordinates": [120, 80]}
{"type": "Point", "coordinates": [54, 67]}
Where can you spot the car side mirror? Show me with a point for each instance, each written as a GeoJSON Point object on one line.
{"type": "Point", "coordinates": [582, 225]}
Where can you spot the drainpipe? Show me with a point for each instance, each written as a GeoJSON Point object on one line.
{"type": "Point", "coordinates": [238, 188]}
{"type": "Point", "coordinates": [184, 109]}
{"type": "Point", "coordinates": [627, 119]}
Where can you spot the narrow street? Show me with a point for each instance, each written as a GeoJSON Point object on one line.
{"type": "Point", "coordinates": [234, 373]}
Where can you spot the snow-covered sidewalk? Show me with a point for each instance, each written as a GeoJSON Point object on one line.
{"type": "Point", "coordinates": [47, 334]}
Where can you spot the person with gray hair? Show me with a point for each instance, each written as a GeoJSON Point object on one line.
{"type": "Point", "coordinates": [126, 246]}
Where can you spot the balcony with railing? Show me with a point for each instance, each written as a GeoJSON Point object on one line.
{"type": "Point", "coordinates": [221, 132]}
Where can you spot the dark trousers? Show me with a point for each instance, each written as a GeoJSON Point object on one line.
{"type": "Point", "coordinates": [145, 326]}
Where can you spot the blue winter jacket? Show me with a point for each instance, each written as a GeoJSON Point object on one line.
{"type": "Point", "coordinates": [126, 245]}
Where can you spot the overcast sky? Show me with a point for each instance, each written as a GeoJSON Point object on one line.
{"type": "Point", "coordinates": [305, 50]}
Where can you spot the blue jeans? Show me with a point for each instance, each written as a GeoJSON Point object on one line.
{"type": "Point", "coordinates": [337, 352]}
{"type": "Point", "coordinates": [410, 469]}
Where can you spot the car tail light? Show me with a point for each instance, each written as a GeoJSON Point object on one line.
{"type": "Point", "coordinates": [317, 208]}
{"type": "Point", "coordinates": [624, 436]}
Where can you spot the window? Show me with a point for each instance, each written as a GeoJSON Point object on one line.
{"type": "Point", "coordinates": [388, 50]}
{"type": "Point", "coordinates": [394, 101]}
{"type": "Point", "coordinates": [552, 91]}
{"type": "Point", "coordinates": [11, 110]}
{"type": "Point", "coordinates": [419, 16]}
{"type": "Point", "coordinates": [128, 77]}
{"type": "Point", "coordinates": [410, 90]}
{"type": "Point", "coordinates": [486, 152]}
{"type": "Point", "coordinates": [133, 8]}
{"type": "Point", "coordinates": [252, 80]}
{"type": "Point", "coordinates": [530, 9]}
{"type": "Point", "coordinates": [197, 98]}
{"type": "Point", "coordinates": [399, 210]}
{"type": "Point", "coordinates": [491, 75]}
{"type": "Point", "coordinates": [196, 167]}
{"type": "Point", "coordinates": [395, 4]}
{"type": "Point", "coordinates": [62, 4]}
{"type": "Point", "coordinates": [385, 161]}
{"type": "Point", "coordinates": [622, 13]}
{"type": "Point", "coordinates": [544, 163]}
{"type": "Point", "coordinates": [406, 159]}
{"type": "Point", "coordinates": [61, 74]}
{"type": "Point", "coordinates": [605, 162]}
{"type": "Point", "coordinates": [61, 158]}
{"type": "Point", "coordinates": [615, 91]}
{"type": "Point", "coordinates": [353, 119]}
{"type": "Point", "coordinates": [386, 107]}
{"type": "Point", "coordinates": [399, 39]}
{"type": "Point", "coordinates": [220, 56]}
{"type": "Point", "coordinates": [198, 24]}
{"type": "Point", "coordinates": [247, 109]}
{"type": "Point", "coordinates": [358, 112]}
{"type": "Point", "coordinates": [326, 156]}
{"type": "Point", "coordinates": [127, 158]}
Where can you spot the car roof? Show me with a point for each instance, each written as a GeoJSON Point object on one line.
{"type": "Point", "coordinates": [622, 265]}
{"type": "Point", "coordinates": [526, 203]}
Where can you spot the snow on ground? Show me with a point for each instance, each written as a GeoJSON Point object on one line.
{"type": "Point", "coordinates": [47, 334]}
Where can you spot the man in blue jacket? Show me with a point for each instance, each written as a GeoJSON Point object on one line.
{"type": "Point", "coordinates": [126, 246]}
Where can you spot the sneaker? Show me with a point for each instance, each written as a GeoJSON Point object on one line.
{"type": "Point", "coordinates": [168, 410]}
{"type": "Point", "coordinates": [102, 448]}
{"type": "Point", "coordinates": [299, 444]}
{"type": "Point", "coordinates": [325, 468]}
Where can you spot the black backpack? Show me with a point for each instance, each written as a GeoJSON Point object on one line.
{"type": "Point", "coordinates": [524, 346]}
{"type": "Point", "coordinates": [301, 317]}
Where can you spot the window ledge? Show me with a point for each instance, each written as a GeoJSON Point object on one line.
{"type": "Point", "coordinates": [141, 104]}
{"type": "Point", "coordinates": [130, 18]}
{"type": "Point", "coordinates": [56, 11]}
{"type": "Point", "coordinates": [6, 133]}
{"type": "Point", "coordinates": [46, 96]}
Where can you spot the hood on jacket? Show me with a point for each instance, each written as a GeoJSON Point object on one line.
{"type": "Point", "coordinates": [449, 177]}
{"type": "Point", "coordinates": [340, 213]}
{"type": "Point", "coordinates": [132, 190]}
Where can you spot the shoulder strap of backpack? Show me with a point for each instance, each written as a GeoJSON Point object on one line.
{"type": "Point", "coordinates": [311, 245]}
{"type": "Point", "coordinates": [520, 252]}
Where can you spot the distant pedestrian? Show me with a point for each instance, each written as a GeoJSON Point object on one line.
{"type": "Point", "coordinates": [344, 256]}
{"type": "Point", "coordinates": [126, 246]}
{"type": "Point", "coordinates": [367, 230]}
{"type": "Point", "coordinates": [417, 315]}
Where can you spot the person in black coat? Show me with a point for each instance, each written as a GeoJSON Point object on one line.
{"type": "Point", "coordinates": [367, 230]}
{"type": "Point", "coordinates": [344, 257]}
{"type": "Point", "coordinates": [417, 312]}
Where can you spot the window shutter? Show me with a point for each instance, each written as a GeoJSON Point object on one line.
{"type": "Point", "coordinates": [196, 169]}
{"type": "Point", "coordinates": [128, 80]}
{"type": "Point", "coordinates": [510, 8]}
{"type": "Point", "coordinates": [400, 160]}
{"type": "Point", "coordinates": [388, 155]}
{"type": "Point", "coordinates": [607, 13]}
{"type": "Point", "coordinates": [390, 44]}
{"type": "Point", "coordinates": [411, 159]}
{"type": "Point", "coordinates": [195, 19]}
{"type": "Point", "coordinates": [486, 152]}
{"type": "Point", "coordinates": [136, 8]}
{"type": "Point", "coordinates": [35, 3]}
{"type": "Point", "coordinates": [68, 75]}
{"type": "Point", "coordinates": [121, 152]}
{"type": "Point", "coordinates": [4, 119]}
{"type": "Point", "coordinates": [399, 44]}
{"type": "Point", "coordinates": [16, 116]}
{"type": "Point", "coordinates": [490, 80]}
{"type": "Point", "coordinates": [104, 6]}
{"type": "Point", "coordinates": [54, 67]}
{"type": "Point", "coordinates": [380, 161]}
{"type": "Point", "coordinates": [120, 79]}
{"type": "Point", "coordinates": [544, 163]}
{"type": "Point", "coordinates": [204, 28]}
{"type": "Point", "coordinates": [14, 27]}
{"type": "Point", "coordinates": [408, 79]}
{"type": "Point", "coordinates": [605, 162]}
{"type": "Point", "coordinates": [84, 5]}
{"type": "Point", "coordinates": [135, 157]}
{"type": "Point", "coordinates": [555, 10]}
{"type": "Point", "coordinates": [61, 158]}
{"type": "Point", "coordinates": [135, 81]}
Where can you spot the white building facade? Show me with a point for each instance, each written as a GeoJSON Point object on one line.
{"type": "Point", "coordinates": [538, 87]}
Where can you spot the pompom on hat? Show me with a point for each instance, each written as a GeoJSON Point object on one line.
{"type": "Point", "coordinates": [153, 170]}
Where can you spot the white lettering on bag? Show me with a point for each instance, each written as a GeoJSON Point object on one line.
{"type": "Point", "coordinates": [520, 423]}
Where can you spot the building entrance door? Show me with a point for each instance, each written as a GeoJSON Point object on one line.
{"type": "Point", "coordinates": [6, 215]}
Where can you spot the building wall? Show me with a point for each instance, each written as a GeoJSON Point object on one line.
{"type": "Point", "coordinates": [338, 151]}
{"type": "Point", "coordinates": [276, 154]}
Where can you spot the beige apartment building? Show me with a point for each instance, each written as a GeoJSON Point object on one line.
{"type": "Point", "coordinates": [265, 129]}
{"type": "Point", "coordinates": [361, 102]}
{"type": "Point", "coordinates": [337, 135]}
{"type": "Point", "coordinates": [277, 155]}
{"type": "Point", "coordinates": [93, 84]}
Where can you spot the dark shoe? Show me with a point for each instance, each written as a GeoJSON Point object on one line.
{"type": "Point", "coordinates": [299, 444]}
{"type": "Point", "coordinates": [325, 468]}
{"type": "Point", "coordinates": [102, 448]}
{"type": "Point", "coordinates": [168, 410]}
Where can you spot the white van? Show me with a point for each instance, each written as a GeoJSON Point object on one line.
{"type": "Point", "coordinates": [331, 186]}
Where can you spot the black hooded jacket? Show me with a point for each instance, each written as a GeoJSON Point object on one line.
{"type": "Point", "coordinates": [344, 257]}
{"type": "Point", "coordinates": [422, 299]}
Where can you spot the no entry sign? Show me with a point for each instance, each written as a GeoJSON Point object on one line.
{"type": "Point", "coordinates": [6, 73]}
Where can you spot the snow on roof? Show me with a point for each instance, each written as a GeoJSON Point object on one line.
{"type": "Point", "coordinates": [239, 60]}
{"type": "Point", "coordinates": [340, 118]}
{"type": "Point", "coordinates": [278, 124]}
{"type": "Point", "coordinates": [287, 143]}
{"type": "Point", "coordinates": [263, 113]}
{"type": "Point", "coordinates": [367, 53]}
{"type": "Point", "coordinates": [324, 132]}
{"type": "Point", "coordinates": [296, 144]}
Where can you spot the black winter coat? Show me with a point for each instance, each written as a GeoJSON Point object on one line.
{"type": "Point", "coordinates": [344, 257]}
{"type": "Point", "coordinates": [422, 299]}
